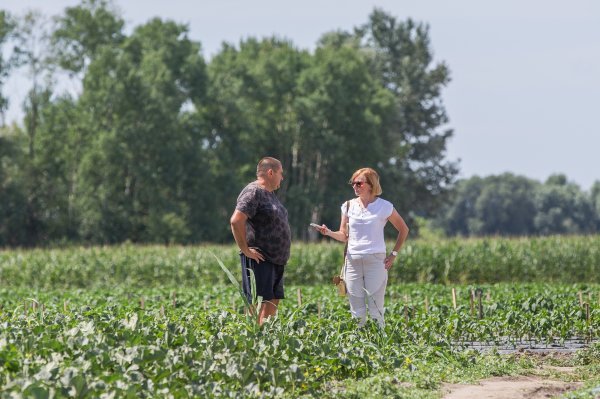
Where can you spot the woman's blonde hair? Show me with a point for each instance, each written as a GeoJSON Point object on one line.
{"type": "Point", "coordinates": [372, 179]}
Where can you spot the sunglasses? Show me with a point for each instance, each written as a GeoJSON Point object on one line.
{"type": "Point", "coordinates": [357, 183]}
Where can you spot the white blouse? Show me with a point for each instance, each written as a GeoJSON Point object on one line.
{"type": "Point", "coordinates": [366, 226]}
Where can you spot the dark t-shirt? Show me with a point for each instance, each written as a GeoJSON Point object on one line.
{"type": "Point", "coordinates": [267, 227]}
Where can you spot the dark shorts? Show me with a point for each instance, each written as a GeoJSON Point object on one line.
{"type": "Point", "coordinates": [269, 279]}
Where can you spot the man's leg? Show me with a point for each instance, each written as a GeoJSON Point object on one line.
{"type": "Point", "coordinates": [267, 309]}
{"type": "Point", "coordinates": [269, 306]}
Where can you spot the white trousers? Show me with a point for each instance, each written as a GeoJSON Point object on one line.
{"type": "Point", "coordinates": [366, 280]}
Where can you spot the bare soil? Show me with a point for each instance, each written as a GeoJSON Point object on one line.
{"type": "Point", "coordinates": [530, 387]}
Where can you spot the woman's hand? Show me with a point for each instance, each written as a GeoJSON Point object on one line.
{"type": "Point", "coordinates": [324, 230]}
{"type": "Point", "coordinates": [389, 261]}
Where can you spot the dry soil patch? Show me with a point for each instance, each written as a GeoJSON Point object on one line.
{"type": "Point", "coordinates": [510, 387]}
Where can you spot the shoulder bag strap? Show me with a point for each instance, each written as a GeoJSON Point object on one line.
{"type": "Point", "coordinates": [347, 238]}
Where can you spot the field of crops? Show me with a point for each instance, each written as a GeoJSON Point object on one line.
{"type": "Point", "coordinates": [549, 259]}
{"type": "Point", "coordinates": [165, 322]}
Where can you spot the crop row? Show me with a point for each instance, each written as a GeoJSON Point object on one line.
{"type": "Point", "coordinates": [198, 342]}
{"type": "Point", "coordinates": [547, 259]}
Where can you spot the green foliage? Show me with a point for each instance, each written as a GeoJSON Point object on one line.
{"type": "Point", "coordinates": [157, 145]}
{"type": "Point", "coordinates": [197, 342]}
{"type": "Point", "coordinates": [563, 208]}
{"type": "Point", "coordinates": [13, 211]}
{"type": "Point", "coordinates": [549, 259]}
{"type": "Point", "coordinates": [415, 168]}
{"type": "Point", "coordinates": [83, 31]}
{"type": "Point", "coordinates": [426, 229]}
{"type": "Point", "coordinates": [7, 25]}
{"type": "Point", "coordinates": [137, 172]}
{"type": "Point", "coordinates": [514, 205]}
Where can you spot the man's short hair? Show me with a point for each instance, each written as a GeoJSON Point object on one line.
{"type": "Point", "coordinates": [265, 164]}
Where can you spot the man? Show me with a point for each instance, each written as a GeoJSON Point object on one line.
{"type": "Point", "coordinates": [261, 230]}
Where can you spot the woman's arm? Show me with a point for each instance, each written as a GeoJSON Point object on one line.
{"type": "Point", "coordinates": [341, 234]}
{"type": "Point", "coordinates": [402, 228]}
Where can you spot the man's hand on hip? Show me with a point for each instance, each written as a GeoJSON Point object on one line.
{"type": "Point", "coordinates": [254, 253]}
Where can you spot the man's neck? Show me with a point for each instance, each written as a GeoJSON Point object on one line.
{"type": "Point", "coordinates": [264, 184]}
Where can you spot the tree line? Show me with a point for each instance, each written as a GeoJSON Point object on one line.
{"type": "Point", "coordinates": [513, 205]}
{"type": "Point", "coordinates": [153, 142]}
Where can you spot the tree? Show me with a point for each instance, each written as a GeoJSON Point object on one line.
{"type": "Point", "coordinates": [342, 109]}
{"type": "Point", "coordinates": [31, 53]}
{"type": "Point", "coordinates": [502, 204]}
{"type": "Point", "coordinates": [7, 26]}
{"type": "Point", "coordinates": [314, 113]}
{"type": "Point", "coordinates": [454, 218]}
{"type": "Point", "coordinates": [401, 58]}
{"type": "Point", "coordinates": [13, 198]}
{"type": "Point", "coordinates": [138, 157]}
{"type": "Point", "coordinates": [156, 145]}
{"type": "Point", "coordinates": [83, 31]}
{"type": "Point", "coordinates": [595, 199]}
{"type": "Point", "coordinates": [561, 208]}
{"type": "Point", "coordinates": [57, 156]}
{"type": "Point", "coordinates": [251, 111]}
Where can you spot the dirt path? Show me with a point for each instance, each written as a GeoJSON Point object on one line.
{"type": "Point", "coordinates": [531, 387]}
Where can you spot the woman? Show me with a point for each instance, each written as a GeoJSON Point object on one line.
{"type": "Point", "coordinates": [366, 262]}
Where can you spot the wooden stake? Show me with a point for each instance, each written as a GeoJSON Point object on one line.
{"type": "Point", "coordinates": [472, 302]}
{"type": "Point", "coordinates": [587, 312]}
{"type": "Point", "coordinates": [299, 293]}
{"type": "Point", "coordinates": [479, 292]}
{"type": "Point", "coordinates": [142, 302]}
{"type": "Point", "coordinates": [454, 298]}
{"type": "Point", "coordinates": [406, 308]}
{"type": "Point", "coordinates": [319, 310]}
{"type": "Point", "coordinates": [587, 317]}
{"type": "Point", "coordinates": [162, 310]}
{"type": "Point", "coordinates": [580, 298]}
{"type": "Point", "coordinates": [65, 305]}
{"type": "Point", "coordinates": [426, 305]}
{"type": "Point", "coordinates": [175, 300]}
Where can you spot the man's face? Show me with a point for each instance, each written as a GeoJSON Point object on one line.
{"type": "Point", "coordinates": [277, 177]}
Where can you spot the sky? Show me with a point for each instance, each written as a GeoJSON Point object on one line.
{"type": "Point", "coordinates": [525, 90]}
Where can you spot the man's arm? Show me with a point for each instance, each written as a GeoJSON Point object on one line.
{"type": "Point", "coordinates": [238, 228]}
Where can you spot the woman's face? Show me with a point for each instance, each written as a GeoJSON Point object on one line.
{"type": "Point", "coordinates": [360, 185]}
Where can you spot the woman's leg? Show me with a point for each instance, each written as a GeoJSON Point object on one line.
{"type": "Point", "coordinates": [355, 283]}
{"type": "Point", "coordinates": [375, 283]}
